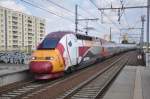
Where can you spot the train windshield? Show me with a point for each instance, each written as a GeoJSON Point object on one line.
{"type": "Point", "coordinates": [48, 43]}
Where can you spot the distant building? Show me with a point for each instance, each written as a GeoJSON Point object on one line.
{"type": "Point", "coordinates": [19, 31]}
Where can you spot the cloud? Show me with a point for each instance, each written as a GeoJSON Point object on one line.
{"type": "Point", "coordinates": [11, 4]}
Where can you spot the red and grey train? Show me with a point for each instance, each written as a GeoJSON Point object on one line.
{"type": "Point", "coordinates": [63, 51]}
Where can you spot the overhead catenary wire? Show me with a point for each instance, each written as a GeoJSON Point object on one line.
{"type": "Point", "coordinates": [49, 11]}
{"type": "Point", "coordinates": [125, 16]}
{"type": "Point", "coordinates": [60, 6]}
{"type": "Point", "coordinates": [63, 7]}
{"type": "Point", "coordinates": [126, 19]}
{"type": "Point", "coordinates": [106, 16]}
{"type": "Point", "coordinates": [68, 10]}
{"type": "Point", "coordinates": [52, 2]}
{"type": "Point", "coordinates": [129, 30]}
{"type": "Point", "coordinates": [90, 15]}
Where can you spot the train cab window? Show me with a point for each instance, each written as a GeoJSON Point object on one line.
{"type": "Point", "coordinates": [48, 43]}
{"type": "Point", "coordinates": [83, 37]}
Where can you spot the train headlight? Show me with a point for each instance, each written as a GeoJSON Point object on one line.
{"type": "Point", "coordinates": [49, 58]}
{"type": "Point", "coordinates": [33, 58]}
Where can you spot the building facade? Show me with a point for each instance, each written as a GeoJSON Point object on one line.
{"type": "Point", "coordinates": [19, 31]}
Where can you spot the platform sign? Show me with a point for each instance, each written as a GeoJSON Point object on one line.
{"type": "Point", "coordinates": [148, 60]}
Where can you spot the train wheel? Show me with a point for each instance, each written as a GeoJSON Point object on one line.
{"type": "Point", "coordinates": [73, 68]}
{"type": "Point", "coordinates": [68, 71]}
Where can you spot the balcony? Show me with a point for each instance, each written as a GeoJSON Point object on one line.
{"type": "Point", "coordinates": [29, 29]}
{"type": "Point", "coordinates": [15, 46]}
{"type": "Point", "coordinates": [30, 34]}
{"type": "Point", "coordinates": [41, 35]}
{"type": "Point", "coordinates": [15, 41]}
{"type": "Point", "coordinates": [29, 42]}
{"type": "Point", "coordinates": [41, 27]}
{"type": "Point", "coordinates": [14, 17]}
{"type": "Point", "coordinates": [29, 21]}
{"type": "Point", "coordinates": [30, 38]}
{"type": "Point", "coordinates": [14, 23]}
{"type": "Point", "coordinates": [42, 24]}
{"type": "Point", "coordinates": [14, 27]}
{"type": "Point", "coordinates": [41, 31]}
{"type": "Point", "coordinates": [15, 36]}
{"type": "Point", "coordinates": [14, 31]}
{"type": "Point", "coordinates": [29, 25]}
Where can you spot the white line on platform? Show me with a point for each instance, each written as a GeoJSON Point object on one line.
{"type": "Point", "coordinates": [138, 85]}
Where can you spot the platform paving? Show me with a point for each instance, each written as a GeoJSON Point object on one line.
{"type": "Point", "coordinates": [10, 73]}
{"type": "Point", "coordinates": [145, 77]}
{"type": "Point", "coordinates": [11, 68]}
{"type": "Point", "coordinates": [133, 82]}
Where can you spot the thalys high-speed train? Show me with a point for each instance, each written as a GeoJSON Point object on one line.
{"type": "Point", "coordinates": [64, 51]}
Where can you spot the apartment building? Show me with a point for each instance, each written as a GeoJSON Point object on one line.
{"type": "Point", "coordinates": [2, 29]}
{"type": "Point", "coordinates": [19, 31]}
{"type": "Point", "coordinates": [40, 30]}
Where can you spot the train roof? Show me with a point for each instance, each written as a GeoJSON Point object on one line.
{"type": "Point", "coordinates": [60, 34]}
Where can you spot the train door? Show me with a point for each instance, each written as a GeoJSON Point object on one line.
{"type": "Point", "coordinates": [72, 49]}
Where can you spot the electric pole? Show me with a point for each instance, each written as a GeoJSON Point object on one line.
{"type": "Point", "coordinates": [76, 18]}
{"type": "Point", "coordinates": [87, 20]}
{"type": "Point", "coordinates": [110, 34]}
{"type": "Point", "coordinates": [148, 4]}
{"type": "Point", "coordinates": [142, 32]}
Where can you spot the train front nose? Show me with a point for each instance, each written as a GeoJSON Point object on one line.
{"type": "Point", "coordinates": [40, 67]}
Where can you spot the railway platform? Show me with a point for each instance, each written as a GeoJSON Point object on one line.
{"type": "Point", "coordinates": [132, 83]}
{"type": "Point", "coordinates": [10, 73]}
{"type": "Point", "coordinates": [11, 68]}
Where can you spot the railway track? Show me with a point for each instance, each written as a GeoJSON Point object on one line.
{"type": "Point", "coordinates": [12, 86]}
{"type": "Point", "coordinates": [40, 90]}
{"type": "Point", "coordinates": [134, 61]}
{"type": "Point", "coordinates": [59, 88]}
{"type": "Point", "coordinates": [94, 86]}
{"type": "Point", "coordinates": [24, 88]}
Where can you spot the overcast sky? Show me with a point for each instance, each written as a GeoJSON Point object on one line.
{"type": "Point", "coordinates": [130, 18]}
